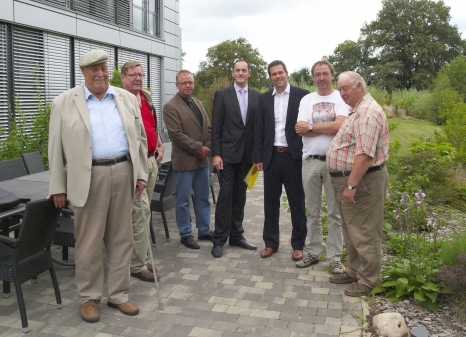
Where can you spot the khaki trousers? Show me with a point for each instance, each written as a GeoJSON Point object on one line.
{"type": "Point", "coordinates": [362, 225]}
{"type": "Point", "coordinates": [139, 257]}
{"type": "Point", "coordinates": [105, 218]}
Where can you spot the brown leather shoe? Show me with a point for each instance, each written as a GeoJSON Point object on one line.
{"type": "Point", "coordinates": [90, 311]}
{"type": "Point", "coordinates": [149, 266]}
{"type": "Point", "coordinates": [268, 252]}
{"type": "Point", "coordinates": [297, 255]}
{"type": "Point", "coordinates": [144, 275]}
{"type": "Point", "coordinates": [127, 308]}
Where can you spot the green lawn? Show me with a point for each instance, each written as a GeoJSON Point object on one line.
{"type": "Point", "coordinates": [411, 130]}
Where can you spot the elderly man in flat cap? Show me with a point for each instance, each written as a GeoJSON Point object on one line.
{"type": "Point", "coordinates": [98, 162]}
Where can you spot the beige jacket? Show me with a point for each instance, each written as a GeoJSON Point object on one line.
{"type": "Point", "coordinates": [70, 146]}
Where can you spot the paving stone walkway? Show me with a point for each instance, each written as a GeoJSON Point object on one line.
{"type": "Point", "coordinates": [238, 295]}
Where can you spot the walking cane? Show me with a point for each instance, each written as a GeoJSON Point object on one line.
{"type": "Point", "coordinates": [144, 219]}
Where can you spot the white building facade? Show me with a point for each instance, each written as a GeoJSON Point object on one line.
{"type": "Point", "coordinates": [42, 41]}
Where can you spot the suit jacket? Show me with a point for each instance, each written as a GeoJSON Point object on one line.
{"type": "Point", "coordinates": [186, 134]}
{"type": "Point", "coordinates": [265, 126]}
{"type": "Point", "coordinates": [70, 145]}
{"type": "Point", "coordinates": [230, 137]}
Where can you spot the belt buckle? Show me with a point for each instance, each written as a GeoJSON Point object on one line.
{"type": "Point", "coordinates": [280, 148]}
{"type": "Point", "coordinates": [114, 160]}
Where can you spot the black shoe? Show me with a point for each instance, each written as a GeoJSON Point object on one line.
{"type": "Point", "coordinates": [216, 251]}
{"type": "Point", "coordinates": [243, 244]}
{"type": "Point", "coordinates": [189, 242]}
{"type": "Point", "coordinates": [206, 237]}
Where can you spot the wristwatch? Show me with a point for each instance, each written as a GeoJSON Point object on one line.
{"type": "Point", "coordinates": [350, 187]}
{"type": "Point", "coordinates": [311, 126]}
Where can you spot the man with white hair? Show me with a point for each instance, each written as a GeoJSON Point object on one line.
{"type": "Point", "coordinates": [356, 161]}
{"type": "Point", "coordinates": [97, 157]}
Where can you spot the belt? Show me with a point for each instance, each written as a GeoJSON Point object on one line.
{"type": "Point", "coordinates": [281, 149]}
{"type": "Point", "coordinates": [318, 156]}
{"type": "Point", "coordinates": [154, 154]}
{"type": "Point", "coordinates": [347, 173]}
{"type": "Point", "coordinates": [109, 161]}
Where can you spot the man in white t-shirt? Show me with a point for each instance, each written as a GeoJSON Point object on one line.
{"type": "Point", "coordinates": [320, 116]}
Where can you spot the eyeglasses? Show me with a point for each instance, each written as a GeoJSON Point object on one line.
{"type": "Point", "coordinates": [135, 75]}
{"type": "Point", "coordinates": [186, 83]}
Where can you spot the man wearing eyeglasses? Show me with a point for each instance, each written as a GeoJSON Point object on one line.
{"type": "Point", "coordinates": [189, 128]}
{"type": "Point", "coordinates": [320, 117]}
{"type": "Point", "coordinates": [132, 78]}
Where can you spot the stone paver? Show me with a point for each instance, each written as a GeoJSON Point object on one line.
{"type": "Point", "coordinates": [238, 295]}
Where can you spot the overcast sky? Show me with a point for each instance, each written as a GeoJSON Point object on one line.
{"type": "Point", "coordinates": [298, 32]}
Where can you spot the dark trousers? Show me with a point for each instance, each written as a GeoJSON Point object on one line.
{"type": "Point", "coordinates": [283, 169]}
{"type": "Point", "coordinates": [229, 211]}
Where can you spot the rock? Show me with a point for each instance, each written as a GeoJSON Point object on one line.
{"type": "Point", "coordinates": [419, 332]}
{"type": "Point", "coordinates": [390, 324]}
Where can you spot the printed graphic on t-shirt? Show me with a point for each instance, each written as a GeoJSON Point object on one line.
{"type": "Point", "coordinates": [323, 112]}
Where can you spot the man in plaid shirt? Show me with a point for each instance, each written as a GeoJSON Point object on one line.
{"type": "Point", "coordinates": [356, 161]}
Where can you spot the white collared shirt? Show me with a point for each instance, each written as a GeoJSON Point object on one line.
{"type": "Point", "coordinates": [108, 134]}
{"type": "Point", "coordinates": [280, 109]}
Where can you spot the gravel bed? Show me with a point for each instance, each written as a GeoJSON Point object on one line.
{"type": "Point", "coordinates": [446, 322]}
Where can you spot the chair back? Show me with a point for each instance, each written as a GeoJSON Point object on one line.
{"type": "Point", "coordinates": [170, 183]}
{"type": "Point", "coordinates": [37, 228]}
{"type": "Point", "coordinates": [33, 162]}
{"type": "Point", "coordinates": [12, 168]}
{"type": "Point", "coordinates": [165, 137]}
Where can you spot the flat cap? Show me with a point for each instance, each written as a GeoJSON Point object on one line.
{"type": "Point", "coordinates": [93, 57]}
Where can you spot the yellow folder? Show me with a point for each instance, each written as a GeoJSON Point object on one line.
{"type": "Point", "coordinates": [250, 179]}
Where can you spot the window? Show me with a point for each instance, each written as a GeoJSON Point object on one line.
{"type": "Point", "coordinates": [57, 65]}
{"type": "Point", "coordinates": [155, 84]}
{"type": "Point", "coordinates": [145, 16]}
{"type": "Point", "coordinates": [3, 82]}
{"type": "Point", "coordinates": [28, 71]}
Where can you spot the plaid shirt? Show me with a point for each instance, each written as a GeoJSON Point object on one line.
{"type": "Point", "coordinates": [364, 131]}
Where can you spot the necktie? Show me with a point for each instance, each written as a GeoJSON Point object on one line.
{"type": "Point", "coordinates": [243, 105]}
{"type": "Point", "coordinates": [196, 111]}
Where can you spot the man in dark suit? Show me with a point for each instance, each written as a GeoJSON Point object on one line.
{"type": "Point", "coordinates": [233, 119]}
{"type": "Point", "coordinates": [278, 152]}
{"type": "Point", "coordinates": [189, 129]}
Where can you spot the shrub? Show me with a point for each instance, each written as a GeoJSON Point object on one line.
{"type": "Point", "coordinates": [454, 276]}
{"type": "Point", "coordinates": [206, 94]}
{"type": "Point", "coordinates": [412, 271]}
{"type": "Point", "coordinates": [24, 137]}
{"type": "Point", "coordinates": [452, 249]}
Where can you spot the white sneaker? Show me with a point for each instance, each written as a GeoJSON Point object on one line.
{"type": "Point", "coordinates": [338, 267]}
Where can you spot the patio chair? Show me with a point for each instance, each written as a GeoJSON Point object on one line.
{"type": "Point", "coordinates": [64, 236]}
{"type": "Point", "coordinates": [12, 168]}
{"type": "Point", "coordinates": [165, 137]}
{"type": "Point", "coordinates": [33, 162]}
{"type": "Point", "coordinates": [24, 258]}
{"type": "Point", "coordinates": [163, 198]}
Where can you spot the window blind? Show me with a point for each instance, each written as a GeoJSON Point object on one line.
{"type": "Point", "coordinates": [3, 83]}
{"type": "Point", "coordinates": [156, 87]}
{"type": "Point", "coordinates": [28, 70]}
{"type": "Point", "coordinates": [57, 67]}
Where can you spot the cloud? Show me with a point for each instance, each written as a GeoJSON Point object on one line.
{"type": "Point", "coordinates": [298, 32]}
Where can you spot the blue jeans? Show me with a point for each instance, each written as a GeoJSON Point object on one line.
{"type": "Point", "coordinates": [198, 181]}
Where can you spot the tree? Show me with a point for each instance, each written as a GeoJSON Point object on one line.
{"type": "Point", "coordinates": [409, 42]}
{"type": "Point", "coordinates": [220, 59]}
{"type": "Point", "coordinates": [302, 75]}
{"type": "Point", "coordinates": [347, 56]}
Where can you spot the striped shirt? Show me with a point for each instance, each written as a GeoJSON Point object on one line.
{"type": "Point", "coordinates": [364, 131]}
